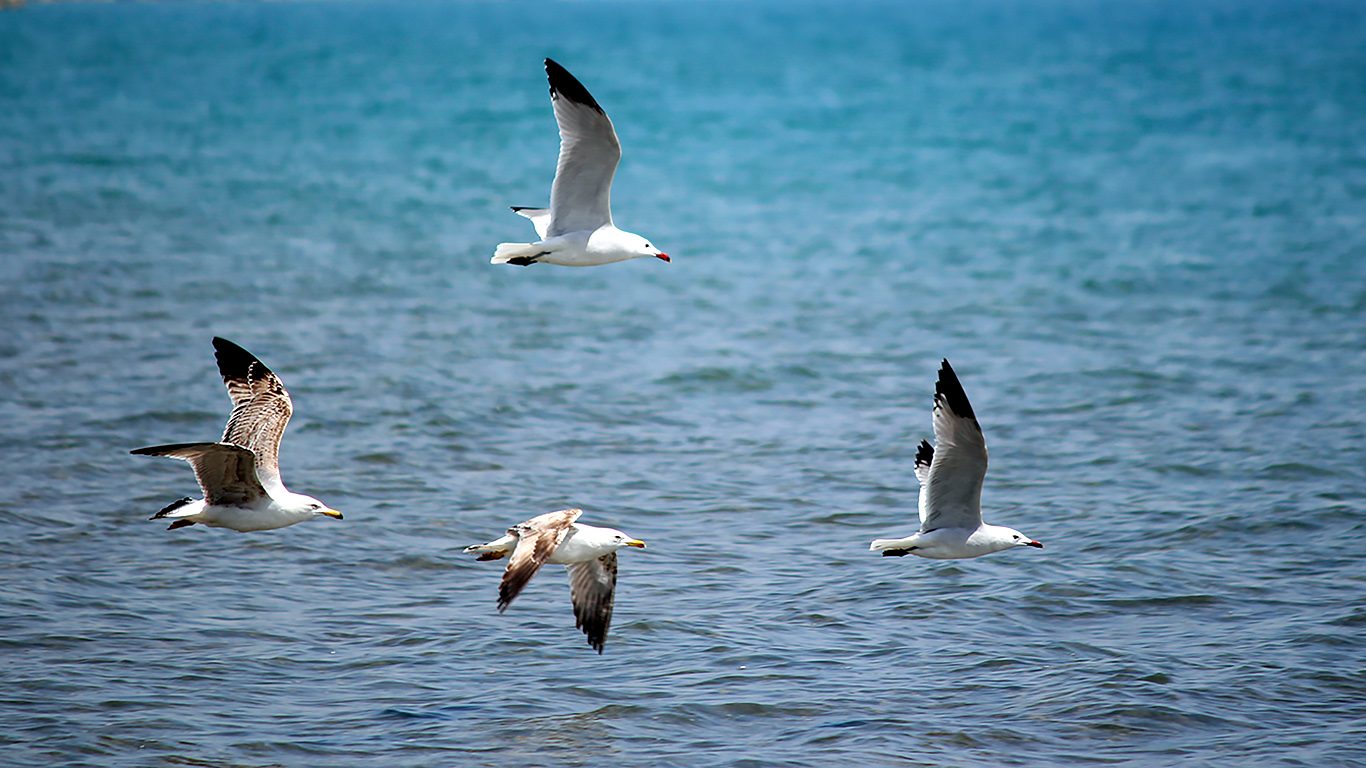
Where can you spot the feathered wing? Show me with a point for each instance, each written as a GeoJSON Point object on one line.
{"type": "Point", "coordinates": [537, 539]}
{"type": "Point", "coordinates": [540, 218]}
{"type": "Point", "coordinates": [592, 590]}
{"type": "Point", "coordinates": [924, 455]}
{"type": "Point", "coordinates": [226, 472]}
{"type": "Point", "coordinates": [958, 461]}
{"type": "Point", "coordinates": [261, 408]}
{"type": "Point", "coordinates": [581, 197]}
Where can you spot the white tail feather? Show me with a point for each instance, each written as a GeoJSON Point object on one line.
{"type": "Point", "coordinates": [508, 251]}
{"type": "Point", "coordinates": [881, 544]}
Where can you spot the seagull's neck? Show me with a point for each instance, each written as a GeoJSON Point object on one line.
{"type": "Point", "coordinates": [289, 502]}
{"type": "Point", "coordinates": [585, 542]}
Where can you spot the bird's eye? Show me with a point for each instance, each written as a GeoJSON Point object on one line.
{"type": "Point", "coordinates": [1017, 538]}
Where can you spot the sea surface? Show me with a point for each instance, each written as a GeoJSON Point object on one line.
{"type": "Point", "coordinates": [1137, 230]}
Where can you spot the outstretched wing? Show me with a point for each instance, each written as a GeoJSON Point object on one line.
{"type": "Point", "coordinates": [959, 459]}
{"type": "Point", "coordinates": [537, 539]}
{"type": "Point", "coordinates": [226, 472]}
{"type": "Point", "coordinates": [540, 218]}
{"type": "Point", "coordinates": [260, 408]}
{"type": "Point", "coordinates": [924, 455]}
{"type": "Point", "coordinates": [581, 197]}
{"type": "Point", "coordinates": [592, 588]}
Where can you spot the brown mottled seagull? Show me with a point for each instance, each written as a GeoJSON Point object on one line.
{"type": "Point", "coordinates": [240, 476]}
{"type": "Point", "coordinates": [589, 552]}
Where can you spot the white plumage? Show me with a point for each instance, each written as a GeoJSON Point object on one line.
{"type": "Point", "coordinates": [951, 475]}
{"type": "Point", "coordinates": [577, 229]}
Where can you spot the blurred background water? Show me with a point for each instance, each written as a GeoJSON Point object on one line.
{"type": "Point", "coordinates": [1138, 231]}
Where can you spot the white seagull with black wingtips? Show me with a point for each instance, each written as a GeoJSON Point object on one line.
{"type": "Point", "coordinates": [589, 552]}
{"type": "Point", "coordinates": [577, 229]}
{"type": "Point", "coordinates": [951, 475]}
{"type": "Point", "coordinates": [240, 475]}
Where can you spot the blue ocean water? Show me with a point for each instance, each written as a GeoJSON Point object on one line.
{"type": "Point", "coordinates": [1137, 230]}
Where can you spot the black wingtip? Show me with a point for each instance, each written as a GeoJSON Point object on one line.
{"type": "Point", "coordinates": [951, 390]}
{"type": "Point", "coordinates": [234, 362]}
{"type": "Point", "coordinates": [223, 346]}
{"type": "Point", "coordinates": [924, 455]}
{"type": "Point", "coordinates": [568, 86]}
{"type": "Point", "coordinates": [173, 506]}
{"type": "Point", "coordinates": [231, 357]}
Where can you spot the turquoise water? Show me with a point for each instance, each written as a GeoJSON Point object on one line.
{"type": "Point", "coordinates": [1138, 231]}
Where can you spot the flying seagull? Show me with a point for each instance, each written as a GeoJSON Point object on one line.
{"type": "Point", "coordinates": [240, 475]}
{"type": "Point", "coordinates": [589, 552]}
{"type": "Point", "coordinates": [950, 475]}
{"type": "Point", "coordinates": [577, 229]}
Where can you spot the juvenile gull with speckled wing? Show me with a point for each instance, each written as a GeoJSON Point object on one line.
{"type": "Point", "coordinates": [951, 475]}
{"type": "Point", "coordinates": [577, 229]}
{"type": "Point", "coordinates": [589, 552]}
{"type": "Point", "coordinates": [240, 475]}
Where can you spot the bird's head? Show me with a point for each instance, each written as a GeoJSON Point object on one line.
{"type": "Point", "coordinates": [1018, 539]}
{"type": "Point", "coordinates": [641, 248]}
{"type": "Point", "coordinates": [314, 507]}
{"type": "Point", "coordinates": [622, 540]}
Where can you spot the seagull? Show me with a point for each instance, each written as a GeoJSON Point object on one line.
{"type": "Point", "coordinates": [950, 475]}
{"type": "Point", "coordinates": [589, 552]}
{"type": "Point", "coordinates": [577, 229]}
{"type": "Point", "coordinates": [240, 476]}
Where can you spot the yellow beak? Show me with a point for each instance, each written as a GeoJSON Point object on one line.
{"type": "Point", "coordinates": [330, 513]}
{"type": "Point", "coordinates": [636, 543]}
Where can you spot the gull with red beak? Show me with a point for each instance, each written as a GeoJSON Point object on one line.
{"type": "Point", "coordinates": [577, 229]}
{"type": "Point", "coordinates": [951, 475]}
{"type": "Point", "coordinates": [589, 552]}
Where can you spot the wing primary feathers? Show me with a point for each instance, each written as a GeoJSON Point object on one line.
{"type": "Point", "coordinates": [564, 84]}
{"type": "Point", "coordinates": [235, 365]}
{"type": "Point", "coordinates": [173, 506]}
{"type": "Point", "coordinates": [592, 590]}
{"type": "Point", "coordinates": [924, 456]}
{"type": "Point", "coordinates": [948, 389]}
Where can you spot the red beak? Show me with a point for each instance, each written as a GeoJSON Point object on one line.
{"type": "Point", "coordinates": [663, 256]}
{"type": "Point", "coordinates": [1038, 544]}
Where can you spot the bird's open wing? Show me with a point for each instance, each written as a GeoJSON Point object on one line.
{"type": "Point", "coordinates": [959, 459]}
{"type": "Point", "coordinates": [581, 197]}
{"type": "Point", "coordinates": [592, 587]}
{"type": "Point", "coordinates": [537, 539]}
{"type": "Point", "coordinates": [260, 408]}
{"type": "Point", "coordinates": [924, 455]}
{"type": "Point", "coordinates": [226, 472]}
